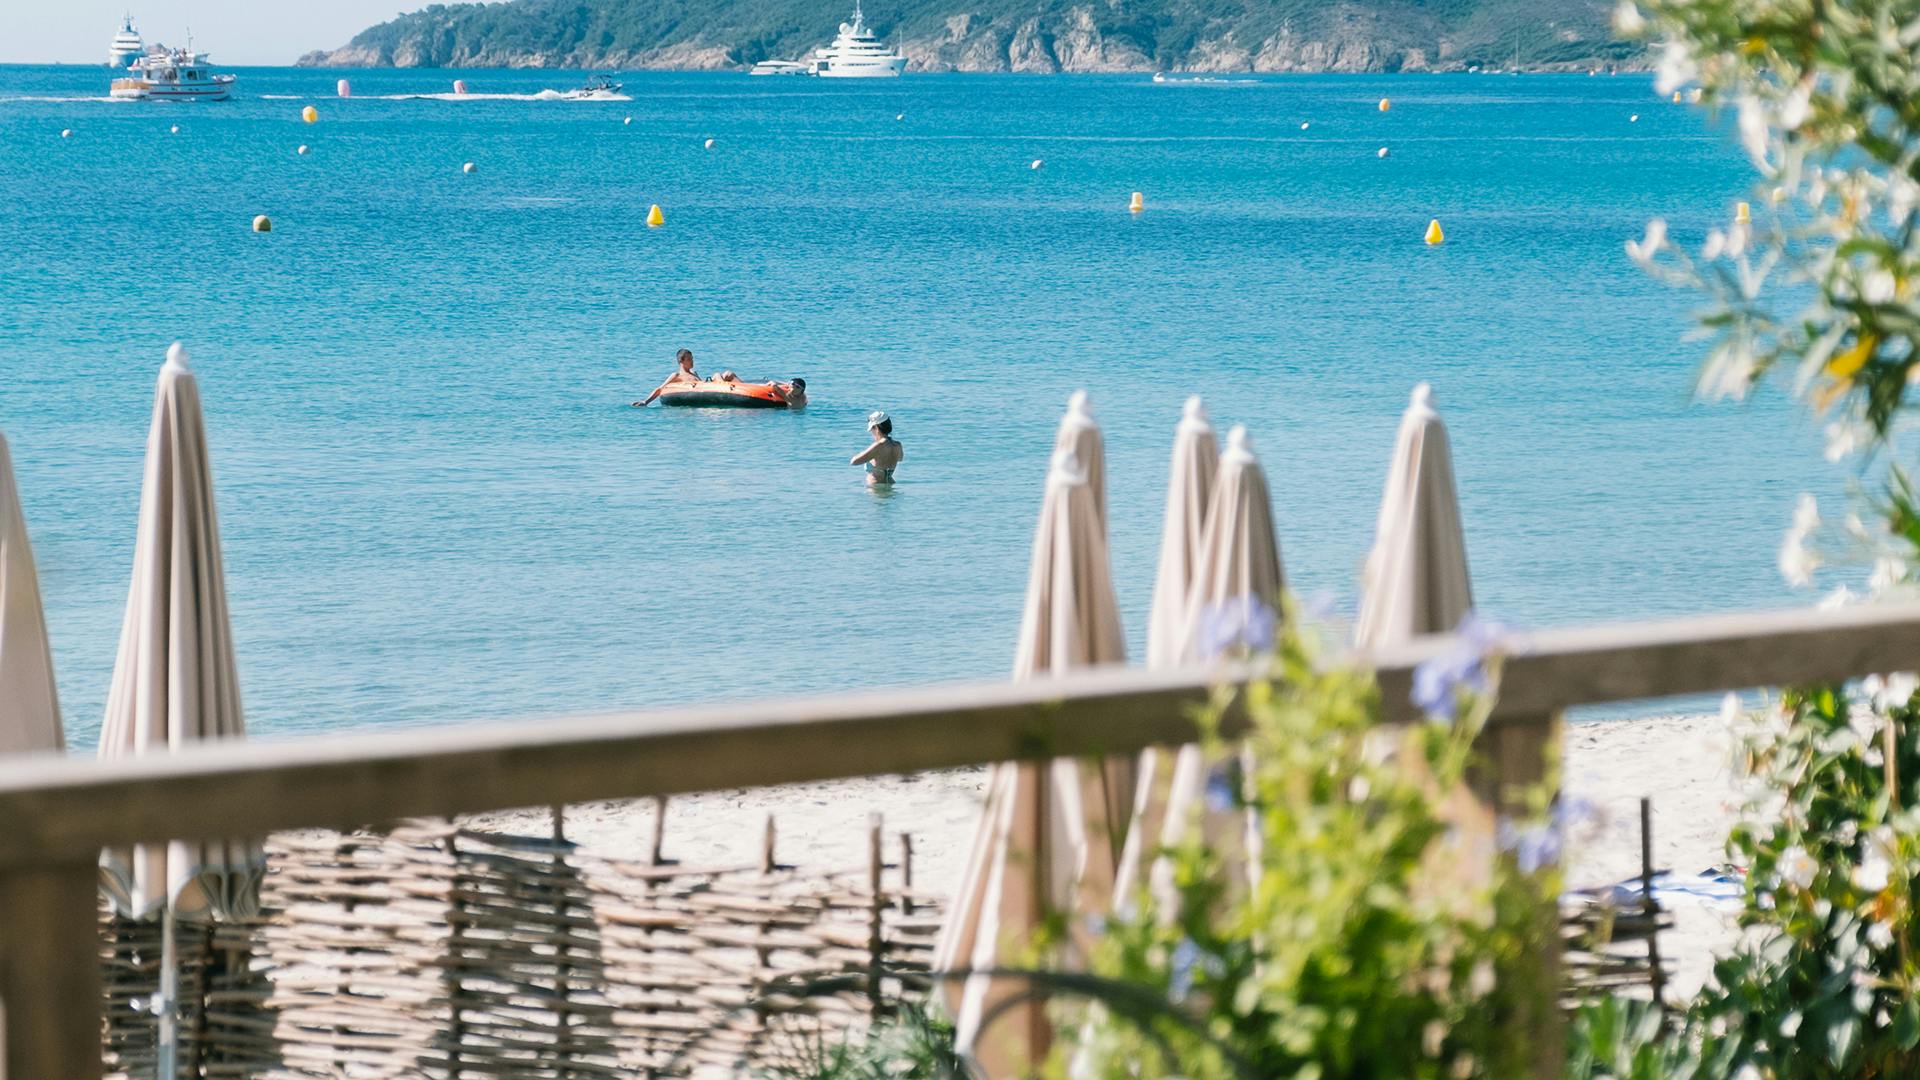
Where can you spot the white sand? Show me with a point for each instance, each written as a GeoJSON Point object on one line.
{"type": "Point", "coordinates": [1680, 761]}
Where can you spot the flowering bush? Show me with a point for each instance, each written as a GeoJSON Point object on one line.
{"type": "Point", "coordinates": [1339, 954]}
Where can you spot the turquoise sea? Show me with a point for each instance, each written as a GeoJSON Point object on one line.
{"type": "Point", "coordinates": [437, 504]}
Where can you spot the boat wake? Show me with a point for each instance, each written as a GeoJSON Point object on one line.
{"type": "Point", "coordinates": [61, 97]}
{"type": "Point", "coordinates": [544, 95]}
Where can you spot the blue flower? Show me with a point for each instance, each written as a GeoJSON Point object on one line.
{"type": "Point", "coordinates": [1243, 623]}
{"type": "Point", "coordinates": [1186, 956]}
{"type": "Point", "coordinates": [1438, 682]}
{"type": "Point", "coordinates": [1223, 787]}
{"type": "Point", "coordinates": [1534, 847]}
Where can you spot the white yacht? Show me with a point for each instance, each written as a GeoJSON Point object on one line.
{"type": "Point", "coordinates": [164, 74]}
{"type": "Point", "coordinates": [857, 54]}
{"type": "Point", "coordinates": [781, 67]}
{"type": "Point", "coordinates": [126, 45]}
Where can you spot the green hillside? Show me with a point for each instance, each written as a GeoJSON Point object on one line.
{"type": "Point", "coordinates": [1004, 35]}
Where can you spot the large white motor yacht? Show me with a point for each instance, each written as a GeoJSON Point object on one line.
{"type": "Point", "coordinates": [165, 74]}
{"type": "Point", "coordinates": [857, 54]}
{"type": "Point", "coordinates": [126, 45]}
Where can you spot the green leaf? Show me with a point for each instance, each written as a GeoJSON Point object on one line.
{"type": "Point", "coordinates": [1906, 1025]}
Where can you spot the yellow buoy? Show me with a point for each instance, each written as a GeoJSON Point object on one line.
{"type": "Point", "coordinates": [310, 114]}
{"type": "Point", "coordinates": [1385, 104]}
{"type": "Point", "coordinates": [655, 218]}
{"type": "Point", "coordinates": [262, 224]}
{"type": "Point", "coordinates": [1676, 97]}
{"type": "Point", "coordinates": [1434, 235]}
{"type": "Point", "coordinates": [1138, 204]}
{"type": "Point", "coordinates": [1742, 213]}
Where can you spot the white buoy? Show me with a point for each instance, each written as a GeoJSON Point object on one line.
{"type": "Point", "coordinates": [66, 133]}
{"type": "Point", "coordinates": [343, 88]}
{"type": "Point", "coordinates": [628, 120]}
{"type": "Point", "coordinates": [302, 150]}
{"type": "Point", "coordinates": [1303, 125]}
{"type": "Point", "coordinates": [709, 144]}
{"type": "Point", "coordinates": [1382, 153]}
{"type": "Point", "coordinates": [459, 86]}
{"type": "Point", "coordinates": [1036, 163]}
{"type": "Point", "coordinates": [467, 168]}
{"type": "Point", "coordinates": [262, 223]}
{"type": "Point", "coordinates": [174, 130]}
{"type": "Point", "coordinates": [900, 116]}
{"type": "Point", "coordinates": [1634, 119]}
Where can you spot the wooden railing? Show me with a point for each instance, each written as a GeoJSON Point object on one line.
{"type": "Point", "coordinates": [57, 814]}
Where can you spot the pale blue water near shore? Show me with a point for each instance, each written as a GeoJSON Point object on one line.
{"type": "Point", "coordinates": [437, 505]}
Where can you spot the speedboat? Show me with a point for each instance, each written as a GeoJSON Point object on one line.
{"type": "Point", "coordinates": [165, 74]}
{"type": "Point", "coordinates": [597, 88]}
{"type": "Point", "coordinates": [857, 54]}
{"type": "Point", "coordinates": [780, 67]}
{"type": "Point", "coordinates": [126, 45]}
{"type": "Point", "coordinates": [724, 394]}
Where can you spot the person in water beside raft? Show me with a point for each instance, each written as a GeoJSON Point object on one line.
{"type": "Point", "coordinates": [683, 373]}
{"type": "Point", "coordinates": [884, 455]}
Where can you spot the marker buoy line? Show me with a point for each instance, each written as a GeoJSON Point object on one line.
{"type": "Point", "coordinates": [262, 224]}
{"type": "Point", "coordinates": [343, 88]}
{"type": "Point", "coordinates": [655, 218]}
{"type": "Point", "coordinates": [709, 144]}
{"type": "Point", "coordinates": [1138, 204]}
{"type": "Point", "coordinates": [1434, 235]}
{"type": "Point", "coordinates": [1036, 163]}
{"type": "Point", "coordinates": [1385, 104]}
{"type": "Point", "coordinates": [302, 150]}
{"type": "Point", "coordinates": [310, 114]}
{"type": "Point", "coordinates": [1742, 214]}
{"type": "Point", "coordinates": [1382, 153]}
{"type": "Point", "coordinates": [467, 168]}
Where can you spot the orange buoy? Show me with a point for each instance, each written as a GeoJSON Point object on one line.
{"type": "Point", "coordinates": [1385, 104]}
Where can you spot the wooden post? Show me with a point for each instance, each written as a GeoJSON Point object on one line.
{"type": "Point", "coordinates": [659, 828]}
{"type": "Point", "coordinates": [50, 972]}
{"type": "Point", "coordinates": [767, 862]}
{"type": "Point", "coordinates": [906, 873]}
{"type": "Point", "coordinates": [1657, 977]}
{"type": "Point", "coordinates": [1516, 756]}
{"type": "Point", "coordinates": [876, 934]}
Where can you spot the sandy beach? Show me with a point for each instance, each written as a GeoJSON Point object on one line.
{"type": "Point", "coordinates": [1680, 761]}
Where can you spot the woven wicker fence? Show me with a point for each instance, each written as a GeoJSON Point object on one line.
{"type": "Point", "coordinates": [437, 952]}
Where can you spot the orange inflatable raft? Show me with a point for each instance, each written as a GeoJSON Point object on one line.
{"type": "Point", "coordinates": [724, 395]}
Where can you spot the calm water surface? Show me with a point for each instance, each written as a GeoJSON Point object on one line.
{"type": "Point", "coordinates": [437, 505]}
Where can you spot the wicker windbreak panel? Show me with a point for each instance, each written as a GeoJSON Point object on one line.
{"type": "Point", "coordinates": [432, 951]}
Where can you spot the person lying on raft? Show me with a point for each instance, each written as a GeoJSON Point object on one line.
{"type": "Point", "coordinates": [684, 373]}
{"type": "Point", "coordinates": [793, 393]}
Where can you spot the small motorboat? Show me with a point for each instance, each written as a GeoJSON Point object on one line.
{"type": "Point", "coordinates": [597, 88]}
{"type": "Point", "coordinates": [721, 394]}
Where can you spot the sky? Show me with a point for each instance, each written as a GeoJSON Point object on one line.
{"type": "Point", "coordinates": [233, 31]}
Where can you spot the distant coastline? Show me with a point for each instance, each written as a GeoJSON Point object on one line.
{"type": "Point", "coordinates": [1022, 36]}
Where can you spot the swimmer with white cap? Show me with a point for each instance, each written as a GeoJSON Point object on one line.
{"type": "Point", "coordinates": [884, 455]}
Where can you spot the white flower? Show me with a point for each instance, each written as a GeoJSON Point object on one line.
{"type": "Point", "coordinates": [1730, 711]}
{"type": "Point", "coordinates": [1643, 250]}
{"type": "Point", "coordinates": [1892, 691]}
{"type": "Point", "coordinates": [1754, 136]}
{"type": "Point", "coordinates": [1480, 982]}
{"type": "Point", "coordinates": [1676, 68]}
{"type": "Point", "coordinates": [1796, 107]}
{"type": "Point", "coordinates": [1876, 862]}
{"type": "Point", "coordinates": [1797, 868]}
{"type": "Point", "coordinates": [1790, 1025]}
{"type": "Point", "coordinates": [1844, 437]}
{"type": "Point", "coordinates": [1879, 936]}
{"type": "Point", "coordinates": [1627, 20]}
{"type": "Point", "coordinates": [1715, 245]}
{"type": "Point", "coordinates": [1797, 561]}
{"type": "Point", "coordinates": [1888, 571]}
{"type": "Point", "coordinates": [1433, 1038]}
{"type": "Point", "coordinates": [1737, 236]}
{"type": "Point", "coordinates": [1840, 597]}
{"type": "Point", "coordinates": [1729, 373]}
{"type": "Point", "coordinates": [1877, 287]}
